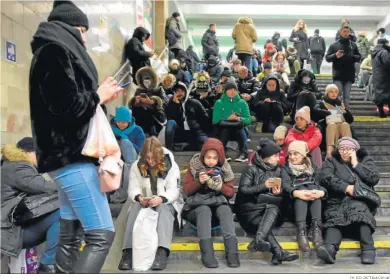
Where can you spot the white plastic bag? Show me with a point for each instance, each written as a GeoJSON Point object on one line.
{"type": "Point", "coordinates": [26, 262]}
{"type": "Point", "coordinates": [145, 239]}
{"type": "Point", "coordinates": [100, 130]}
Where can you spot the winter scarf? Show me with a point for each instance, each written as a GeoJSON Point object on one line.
{"type": "Point", "coordinates": [123, 133]}
{"type": "Point", "coordinates": [306, 167]}
{"type": "Point", "coordinates": [197, 166]}
{"type": "Point", "coordinates": [333, 104]}
{"type": "Point", "coordinates": [70, 38]}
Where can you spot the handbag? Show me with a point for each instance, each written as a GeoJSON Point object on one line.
{"type": "Point", "coordinates": [334, 119]}
{"type": "Point", "coordinates": [101, 141]}
{"type": "Point", "coordinates": [365, 193]}
{"type": "Point", "coordinates": [210, 199]}
{"type": "Point", "coordinates": [231, 124]}
{"type": "Point", "coordinates": [269, 198]}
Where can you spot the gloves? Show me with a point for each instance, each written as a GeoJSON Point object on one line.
{"type": "Point", "coordinates": [215, 183]}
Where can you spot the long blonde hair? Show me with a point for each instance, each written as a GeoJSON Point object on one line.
{"type": "Point", "coordinates": [296, 28]}
{"type": "Point", "coordinates": [154, 146]}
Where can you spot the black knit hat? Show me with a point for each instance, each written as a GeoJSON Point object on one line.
{"type": "Point", "coordinates": [268, 148]}
{"type": "Point", "coordinates": [26, 144]}
{"type": "Point", "coordinates": [230, 84]}
{"type": "Point", "coordinates": [67, 12]}
{"type": "Point", "coordinates": [226, 73]}
{"type": "Point", "coordinates": [175, 14]}
{"type": "Point", "coordinates": [202, 86]}
{"type": "Point", "coordinates": [317, 31]}
{"type": "Point", "coordinates": [267, 65]}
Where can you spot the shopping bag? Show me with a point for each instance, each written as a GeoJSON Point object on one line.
{"type": "Point", "coordinates": [99, 130]}
{"type": "Point", "coordinates": [145, 239]}
{"type": "Point", "coordinates": [25, 263]}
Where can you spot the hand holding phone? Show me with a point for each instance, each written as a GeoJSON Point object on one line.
{"type": "Point", "coordinates": [123, 85]}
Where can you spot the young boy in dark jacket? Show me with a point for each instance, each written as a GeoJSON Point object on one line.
{"type": "Point", "coordinates": [208, 184]}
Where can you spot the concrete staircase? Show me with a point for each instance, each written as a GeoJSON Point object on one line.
{"type": "Point", "coordinates": [372, 134]}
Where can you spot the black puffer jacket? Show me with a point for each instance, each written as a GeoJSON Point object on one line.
{"type": "Point", "coordinates": [210, 43]}
{"type": "Point", "coordinates": [381, 72]}
{"type": "Point", "coordinates": [340, 208]}
{"type": "Point", "coordinates": [249, 85]}
{"type": "Point", "coordinates": [19, 176]}
{"type": "Point", "coordinates": [251, 186]}
{"type": "Point", "coordinates": [135, 51]}
{"type": "Point", "coordinates": [344, 67]}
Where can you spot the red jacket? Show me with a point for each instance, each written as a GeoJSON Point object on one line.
{"type": "Point", "coordinates": [312, 136]}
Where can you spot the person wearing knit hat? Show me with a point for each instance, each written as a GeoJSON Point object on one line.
{"type": "Point", "coordinates": [267, 70]}
{"type": "Point", "coordinates": [26, 144]}
{"type": "Point", "coordinates": [270, 51]}
{"type": "Point", "coordinates": [61, 64]}
{"type": "Point", "coordinates": [280, 134]}
{"type": "Point", "coordinates": [345, 213]}
{"type": "Point", "coordinates": [261, 186]}
{"type": "Point", "coordinates": [305, 190]}
{"type": "Point", "coordinates": [305, 130]}
{"type": "Point", "coordinates": [177, 71]}
{"type": "Point", "coordinates": [226, 73]}
{"type": "Point", "coordinates": [230, 116]}
{"type": "Point", "coordinates": [130, 136]}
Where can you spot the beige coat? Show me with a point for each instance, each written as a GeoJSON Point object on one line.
{"type": "Point", "coordinates": [244, 34]}
{"type": "Point", "coordinates": [286, 67]}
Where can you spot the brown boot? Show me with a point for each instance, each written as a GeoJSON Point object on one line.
{"type": "Point", "coordinates": [303, 243]}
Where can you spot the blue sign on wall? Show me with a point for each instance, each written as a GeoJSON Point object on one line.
{"type": "Point", "coordinates": [10, 51]}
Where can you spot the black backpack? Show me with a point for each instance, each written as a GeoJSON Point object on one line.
{"type": "Point", "coordinates": [316, 45]}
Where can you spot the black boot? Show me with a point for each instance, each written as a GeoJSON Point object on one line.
{"type": "Point", "coordinates": [126, 262]}
{"type": "Point", "coordinates": [368, 257]}
{"type": "Point", "coordinates": [316, 234]}
{"type": "Point", "coordinates": [69, 243]}
{"type": "Point", "coordinates": [207, 253]}
{"type": "Point", "coordinates": [327, 253]}
{"type": "Point", "coordinates": [303, 243]}
{"type": "Point", "coordinates": [381, 111]}
{"type": "Point", "coordinates": [231, 252]}
{"type": "Point", "coordinates": [98, 243]}
{"type": "Point", "coordinates": [161, 259]}
{"type": "Point", "coordinates": [279, 255]}
{"type": "Point", "coordinates": [259, 243]}
{"type": "Point", "coordinates": [46, 269]}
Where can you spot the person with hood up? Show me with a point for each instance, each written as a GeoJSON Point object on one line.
{"type": "Point", "coordinates": [344, 54]}
{"type": "Point", "coordinates": [334, 130]}
{"type": "Point", "coordinates": [352, 36]}
{"type": "Point", "coordinates": [304, 130]}
{"type": "Point", "coordinates": [135, 51]}
{"type": "Point", "coordinates": [174, 35]}
{"type": "Point", "coordinates": [129, 135]}
{"type": "Point", "coordinates": [244, 34]}
{"type": "Point", "coordinates": [381, 74]}
{"type": "Point", "coordinates": [209, 184]}
{"type": "Point", "coordinates": [247, 85]}
{"type": "Point", "coordinates": [363, 45]}
{"type": "Point", "coordinates": [301, 42]}
{"type": "Point", "coordinates": [210, 42]}
{"type": "Point", "coordinates": [275, 41]}
{"type": "Point", "coordinates": [230, 116]}
{"type": "Point", "coordinates": [280, 66]}
{"type": "Point", "coordinates": [192, 120]}
{"type": "Point", "coordinates": [64, 95]}
{"type": "Point", "coordinates": [270, 104]}
{"type": "Point", "coordinates": [302, 184]}
{"type": "Point", "coordinates": [180, 75]}
{"type": "Point", "coordinates": [317, 48]}
{"type": "Point", "coordinates": [345, 214]}
{"type": "Point", "coordinates": [154, 182]}
{"type": "Point", "coordinates": [304, 92]}
{"type": "Point", "coordinates": [193, 56]}
{"type": "Point", "coordinates": [214, 68]}
{"type": "Point", "coordinates": [257, 204]}
{"type": "Point", "coordinates": [20, 178]}
{"type": "Point", "coordinates": [147, 105]}
{"type": "Point", "coordinates": [270, 51]}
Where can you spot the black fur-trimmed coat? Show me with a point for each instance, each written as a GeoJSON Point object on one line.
{"type": "Point", "coordinates": [340, 208]}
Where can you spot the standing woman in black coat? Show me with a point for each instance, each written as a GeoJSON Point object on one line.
{"type": "Point", "coordinates": [135, 51]}
{"type": "Point", "coordinates": [64, 94]}
{"type": "Point", "coordinates": [344, 214]}
{"type": "Point", "coordinates": [301, 41]}
{"type": "Point", "coordinates": [258, 200]}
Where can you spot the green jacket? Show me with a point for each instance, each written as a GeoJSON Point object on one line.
{"type": "Point", "coordinates": [226, 106]}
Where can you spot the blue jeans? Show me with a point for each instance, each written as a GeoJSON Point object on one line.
{"type": "Point", "coordinates": [128, 151]}
{"type": "Point", "coordinates": [45, 230]}
{"type": "Point", "coordinates": [245, 138]}
{"type": "Point", "coordinates": [81, 198]}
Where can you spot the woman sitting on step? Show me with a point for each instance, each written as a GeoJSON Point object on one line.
{"type": "Point", "coordinates": [337, 123]}
{"type": "Point", "coordinates": [258, 200]}
{"type": "Point", "coordinates": [301, 179]}
{"type": "Point", "coordinates": [349, 211]}
{"type": "Point", "coordinates": [306, 131]}
{"type": "Point", "coordinates": [154, 179]}
{"type": "Point", "coordinates": [209, 186]}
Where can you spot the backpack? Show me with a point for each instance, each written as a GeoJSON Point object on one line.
{"type": "Point", "coordinates": [316, 45]}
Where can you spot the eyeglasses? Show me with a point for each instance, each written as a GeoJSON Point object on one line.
{"type": "Point", "coordinates": [346, 149]}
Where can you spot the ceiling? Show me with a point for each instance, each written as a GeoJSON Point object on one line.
{"type": "Point", "coordinates": [282, 16]}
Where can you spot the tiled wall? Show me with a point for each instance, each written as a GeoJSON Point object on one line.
{"type": "Point", "coordinates": [19, 21]}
